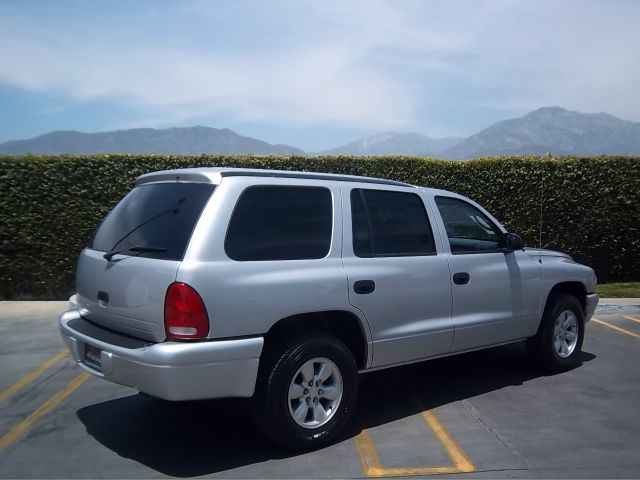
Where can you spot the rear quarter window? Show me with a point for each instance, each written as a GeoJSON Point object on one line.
{"type": "Point", "coordinates": [159, 215]}
{"type": "Point", "coordinates": [281, 223]}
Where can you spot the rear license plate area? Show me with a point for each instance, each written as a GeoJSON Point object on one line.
{"type": "Point", "coordinates": [93, 357]}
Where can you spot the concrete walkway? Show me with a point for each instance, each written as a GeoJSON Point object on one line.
{"type": "Point", "coordinates": [619, 301]}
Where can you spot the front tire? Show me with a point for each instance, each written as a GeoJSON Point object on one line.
{"type": "Point", "coordinates": [306, 392]}
{"type": "Point", "coordinates": [558, 343]}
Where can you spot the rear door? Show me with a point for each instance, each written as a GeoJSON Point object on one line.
{"type": "Point", "coordinates": [396, 276]}
{"type": "Point", "coordinates": [127, 293]}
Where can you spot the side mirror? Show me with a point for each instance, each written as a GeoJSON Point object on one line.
{"type": "Point", "coordinates": [512, 242]}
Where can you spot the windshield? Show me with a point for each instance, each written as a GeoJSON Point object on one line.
{"type": "Point", "coordinates": [159, 215]}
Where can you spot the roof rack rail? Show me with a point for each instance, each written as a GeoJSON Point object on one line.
{"type": "Point", "coordinates": [309, 175]}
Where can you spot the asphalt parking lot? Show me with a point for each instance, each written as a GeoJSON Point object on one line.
{"type": "Point", "coordinates": [485, 414]}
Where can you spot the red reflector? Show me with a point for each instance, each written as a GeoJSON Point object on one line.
{"type": "Point", "coordinates": [185, 315]}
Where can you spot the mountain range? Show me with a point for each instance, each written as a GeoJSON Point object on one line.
{"type": "Point", "coordinates": [549, 129]}
{"type": "Point", "coordinates": [555, 130]}
{"type": "Point", "coordinates": [185, 141]}
{"type": "Point", "coordinates": [414, 144]}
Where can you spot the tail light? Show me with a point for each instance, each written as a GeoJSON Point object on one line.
{"type": "Point", "coordinates": [185, 316]}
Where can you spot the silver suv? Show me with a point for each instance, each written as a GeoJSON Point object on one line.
{"type": "Point", "coordinates": [284, 286]}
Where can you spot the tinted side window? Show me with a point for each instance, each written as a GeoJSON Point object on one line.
{"type": "Point", "coordinates": [469, 230]}
{"type": "Point", "coordinates": [281, 223]}
{"type": "Point", "coordinates": [387, 224]}
{"type": "Point", "coordinates": [159, 215]}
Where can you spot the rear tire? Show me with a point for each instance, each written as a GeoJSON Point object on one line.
{"type": "Point", "coordinates": [558, 343]}
{"type": "Point", "coordinates": [296, 414]}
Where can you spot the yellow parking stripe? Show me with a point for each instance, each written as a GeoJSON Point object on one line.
{"type": "Point", "coordinates": [368, 454]}
{"type": "Point", "coordinates": [373, 468]}
{"type": "Point", "coordinates": [621, 330]}
{"type": "Point", "coordinates": [454, 450]}
{"type": "Point", "coordinates": [16, 432]}
{"type": "Point", "coordinates": [633, 319]}
{"type": "Point", "coordinates": [32, 375]}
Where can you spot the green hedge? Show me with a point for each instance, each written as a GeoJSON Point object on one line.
{"type": "Point", "coordinates": [49, 206]}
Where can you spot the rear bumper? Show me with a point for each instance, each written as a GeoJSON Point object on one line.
{"type": "Point", "coordinates": [169, 370]}
{"type": "Point", "coordinates": [590, 306]}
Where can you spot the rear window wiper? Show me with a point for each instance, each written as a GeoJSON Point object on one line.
{"type": "Point", "coordinates": [138, 248]}
{"type": "Point", "coordinates": [173, 210]}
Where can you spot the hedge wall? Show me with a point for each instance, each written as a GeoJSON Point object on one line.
{"type": "Point", "coordinates": [49, 206]}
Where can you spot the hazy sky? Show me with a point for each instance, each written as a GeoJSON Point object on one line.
{"type": "Point", "coordinates": [312, 74]}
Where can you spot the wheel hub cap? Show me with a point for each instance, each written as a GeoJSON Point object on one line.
{"type": "Point", "coordinates": [315, 393]}
{"type": "Point", "coordinates": [565, 333]}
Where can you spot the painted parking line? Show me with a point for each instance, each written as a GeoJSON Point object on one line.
{"type": "Point", "coordinates": [19, 430]}
{"type": "Point", "coordinates": [614, 327]}
{"type": "Point", "coordinates": [32, 375]}
{"type": "Point", "coordinates": [632, 318]}
{"type": "Point", "coordinates": [373, 467]}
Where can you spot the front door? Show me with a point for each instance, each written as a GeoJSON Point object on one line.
{"type": "Point", "coordinates": [496, 294]}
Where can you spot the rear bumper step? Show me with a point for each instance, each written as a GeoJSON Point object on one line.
{"type": "Point", "coordinates": [169, 370]}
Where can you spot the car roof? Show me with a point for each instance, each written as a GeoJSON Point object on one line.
{"type": "Point", "coordinates": [215, 175]}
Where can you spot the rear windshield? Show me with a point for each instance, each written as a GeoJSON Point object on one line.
{"type": "Point", "coordinates": [159, 215]}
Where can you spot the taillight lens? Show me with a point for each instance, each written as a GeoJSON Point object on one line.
{"type": "Point", "coordinates": [185, 316]}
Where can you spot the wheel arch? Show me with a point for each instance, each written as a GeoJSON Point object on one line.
{"type": "Point", "coordinates": [574, 288]}
{"type": "Point", "coordinates": [343, 324]}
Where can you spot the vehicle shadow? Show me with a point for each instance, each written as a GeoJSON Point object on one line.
{"type": "Point", "coordinates": [186, 439]}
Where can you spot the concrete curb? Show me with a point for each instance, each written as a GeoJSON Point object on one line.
{"type": "Point", "coordinates": [619, 301]}
{"type": "Point", "coordinates": [30, 308]}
